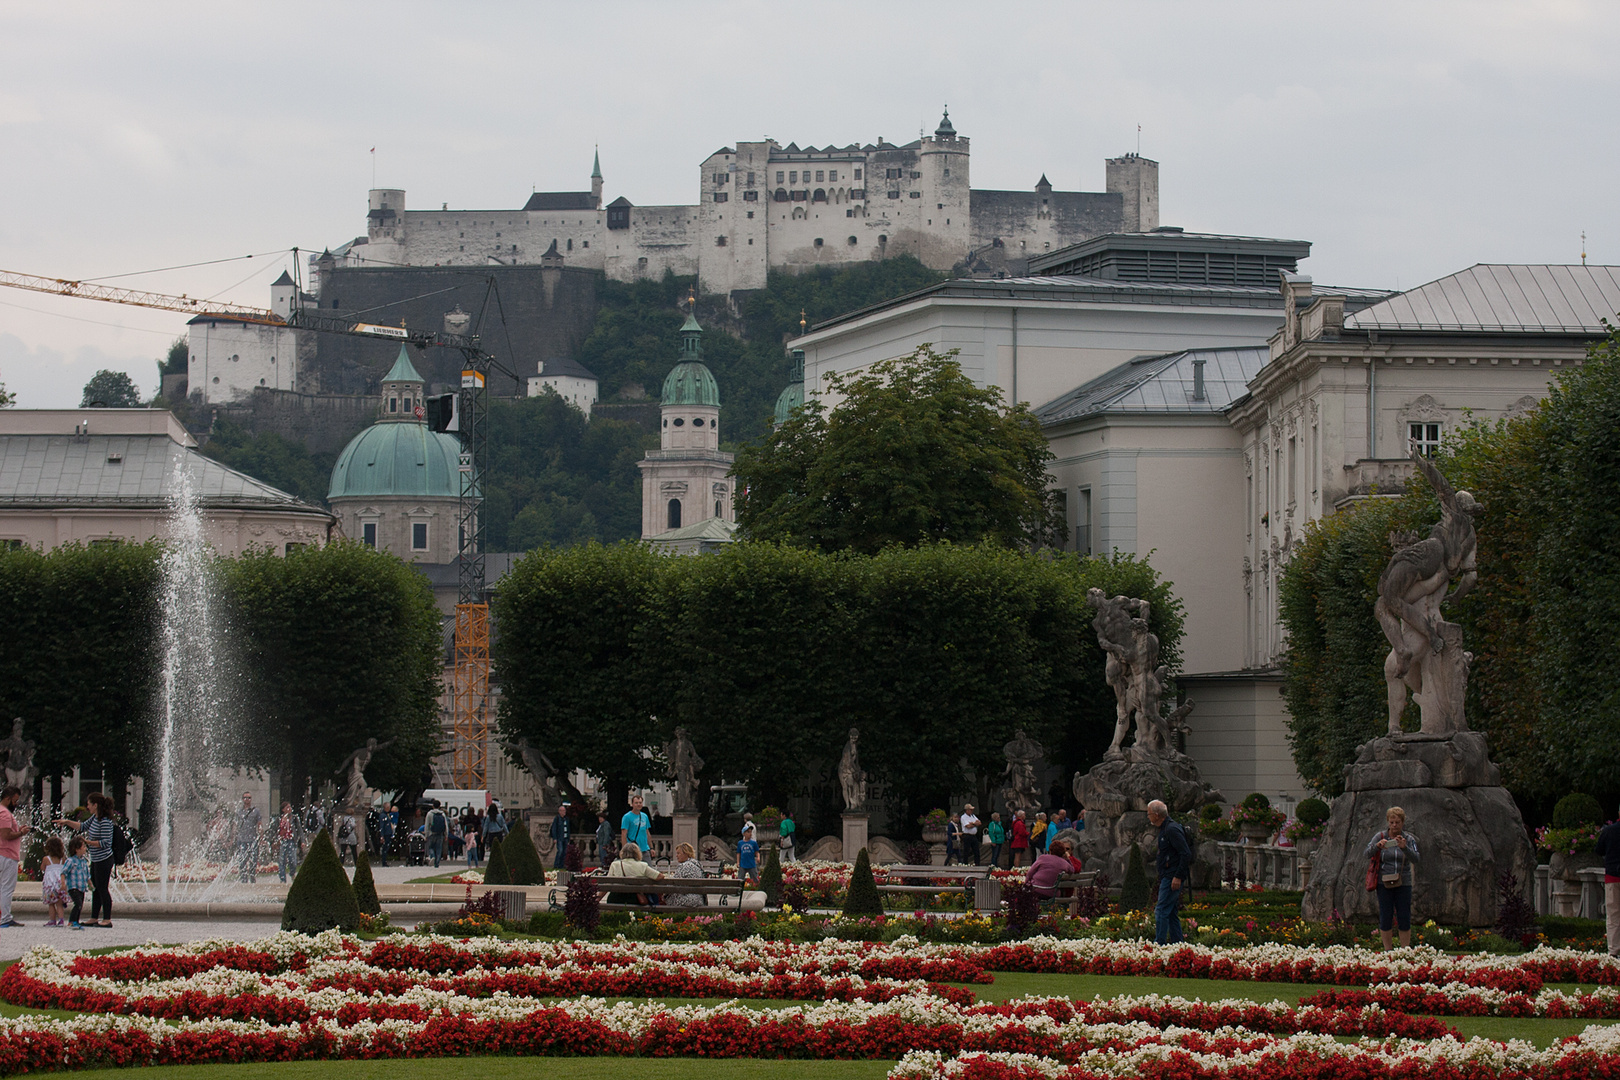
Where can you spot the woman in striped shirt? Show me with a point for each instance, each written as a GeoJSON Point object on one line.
{"type": "Point", "coordinates": [98, 833]}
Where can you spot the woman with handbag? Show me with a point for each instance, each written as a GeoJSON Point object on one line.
{"type": "Point", "coordinates": [1390, 856]}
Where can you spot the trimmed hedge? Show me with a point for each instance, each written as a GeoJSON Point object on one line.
{"type": "Point", "coordinates": [519, 858]}
{"type": "Point", "coordinates": [321, 897]}
{"type": "Point", "coordinates": [1136, 893]}
{"type": "Point", "coordinates": [365, 886]}
{"type": "Point", "coordinates": [495, 872]}
{"type": "Point", "coordinates": [863, 897]}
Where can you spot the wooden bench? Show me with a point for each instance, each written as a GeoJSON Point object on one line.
{"type": "Point", "coordinates": [957, 878]}
{"type": "Point", "coordinates": [727, 892]}
{"type": "Point", "coordinates": [1068, 890]}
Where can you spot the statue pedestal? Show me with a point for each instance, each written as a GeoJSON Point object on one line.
{"type": "Point", "coordinates": [686, 829]}
{"type": "Point", "coordinates": [1468, 827]}
{"type": "Point", "coordinates": [540, 819]}
{"type": "Point", "coordinates": [855, 837]}
{"type": "Point", "coordinates": [1116, 794]}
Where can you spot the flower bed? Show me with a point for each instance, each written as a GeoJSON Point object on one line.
{"type": "Point", "coordinates": [332, 996]}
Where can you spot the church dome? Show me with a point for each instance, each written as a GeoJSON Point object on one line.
{"type": "Point", "coordinates": [790, 399]}
{"type": "Point", "coordinates": [691, 382]}
{"type": "Point", "coordinates": [398, 459]}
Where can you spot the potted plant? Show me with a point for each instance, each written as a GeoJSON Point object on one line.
{"type": "Point", "coordinates": [933, 826]}
{"type": "Point", "coordinates": [767, 826]}
{"type": "Point", "coordinates": [1571, 839]}
{"type": "Point", "coordinates": [1215, 824]}
{"type": "Point", "coordinates": [1305, 831]}
{"type": "Point", "coordinates": [1257, 820]}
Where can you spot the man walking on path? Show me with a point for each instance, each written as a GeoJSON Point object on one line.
{"type": "Point", "coordinates": [10, 851]}
{"type": "Point", "coordinates": [561, 832]}
{"type": "Point", "coordinates": [604, 839]}
{"type": "Point", "coordinates": [249, 823]}
{"type": "Point", "coordinates": [970, 835]}
{"type": "Point", "coordinates": [437, 830]}
{"type": "Point", "coordinates": [1174, 866]}
{"type": "Point", "coordinates": [634, 827]}
{"type": "Point", "coordinates": [1608, 846]}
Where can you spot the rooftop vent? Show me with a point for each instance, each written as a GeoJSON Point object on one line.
{"type": "Point", "coordinates": [115, 459]}
{"type": "Point", "coordinates": [1198, 380]}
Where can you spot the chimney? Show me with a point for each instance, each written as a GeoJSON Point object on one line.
{"type": "Point", "coordinates": [1198, 380]}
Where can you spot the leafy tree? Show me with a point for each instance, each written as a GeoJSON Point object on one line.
{"type": "Point", "coordinates": [340, 644]}
{"type": "Point", "coordinates": [568, 627]}
{"type": "Point", "coordinates": [78, 655]}
{"type": "Point", "coordinates": [278, 461]}
{"type": "Point", "coordinates": [913, 453]}
{"type": "Point", "coordinates": [175, 362]}
{"type": "Point", "coordinates": [110, 390]}
{"type": "Point", "coordinates": [7, 398]}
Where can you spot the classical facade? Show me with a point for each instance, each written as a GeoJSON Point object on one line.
{"type": "Point", "coordinates": [397, 485]}
{"type": "Point", "coordinates": [108, 476]}
{"type": "Point", "coordinates": [686, 481]}
{"type": "Point", "coordinates": [764, 206]}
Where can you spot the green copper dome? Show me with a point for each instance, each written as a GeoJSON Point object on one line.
{"type": "Point", "coordinates": [691, 382]}
{"type": "Point", "coordinates": [398, 459]}
{"type": "Point", "coordinates": [787, 401]}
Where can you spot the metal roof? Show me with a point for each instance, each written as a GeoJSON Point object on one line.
{"type": "Point", "coordinates": [121, 470]}
{"type": "Point", "coordinates": [1162, 384]}
{"type": "Point", "coordinates": [559, 366]}
{"type": "Point", "coordinates": [1085, 290]}
{"type": "Point", "coordinates": [1168, 238]}
{"type": "Point", "coordinates": [1502, 298]}
{"type": "Point", "coordinates": [561, 200]}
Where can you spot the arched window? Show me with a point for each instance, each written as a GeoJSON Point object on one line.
{"type": "Point", "coordinates": [717, 508]}
{"type": "Point", "coordinates": [780, 196]}
{"type": "Point", "coordinates": [674, 513]}
{"type": "Point", "coordinates": [819, 196]}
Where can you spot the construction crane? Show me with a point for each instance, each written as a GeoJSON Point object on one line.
{"type": "Point", "coordinates": [469, 693]}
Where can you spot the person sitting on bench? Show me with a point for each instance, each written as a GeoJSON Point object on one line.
{"type": "Point", "coordinates": [1044, 873]}
{"type": "Point", "coordinates": [629, 865]}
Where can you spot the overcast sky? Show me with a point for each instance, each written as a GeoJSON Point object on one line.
{"type": "Point", "coordinates": [1405, 140]}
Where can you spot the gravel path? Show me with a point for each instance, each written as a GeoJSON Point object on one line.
{"type": "Point", "coordinates": [16, 940]}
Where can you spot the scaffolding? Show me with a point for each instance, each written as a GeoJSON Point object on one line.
{"type": "Point", "coordinates": [469, 704]}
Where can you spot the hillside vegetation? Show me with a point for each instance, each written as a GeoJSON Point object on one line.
{"type": "Point", "coordinates": [555, 478]}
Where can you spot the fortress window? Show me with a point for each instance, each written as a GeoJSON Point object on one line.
{"type": "Point", "coordinates": [497, 236]}
{"type": "Point", "coordinates": [820, 176]}
{"type": "Point", "coordinates": [883, 239]}
{"type": "Point", "coordinates": [894, 194]}
{"type": "Point", "coordinates": [916, 195]}
{"type": "Point", "coordinates": [721, 196]}
{"type": "Point", "coordinates": [582, 243]}
{"type": "Point", "coordinates": [750, 179]}
{"type": "Point", "coordinates": [720, 241]}
{"type": "Point", "coordinates": [849, 213]}
{"type": "Point", "coordinates": [778, 176]}
{"type": "Point", "coordinates": [820, 195]}
{"type": "Point", "coordinates": [857, 193]}
{"type": "Point", "coordinates": [857, 172]}
{"type": "Point", "coordinates": [916, 176]}
{"type": "Point", "coordinates": [750, 196]}
{"type": "Point", "coordinates": [818, 241]}
{"type": "Point", "coordinates": [570, 245]}
{"type": "Point", "coordinates": [853, 241]}
{"type": "Point", "coordinates": [832, 174]}
{"type": "Point", "coordinates": [750, 213]}
{"type": "Point", "coordinates": [793, 177]}
{"type": "Point", "coordinates": [940, 206]}
{"type": "Point", "coordinates": [781, 195]}
{"type": "Point", "coordinates": [719, 177]}
{"type": "Point", "coordinates": [947, 172]}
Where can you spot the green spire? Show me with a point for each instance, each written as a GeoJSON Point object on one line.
{"type": "Point", "coordinates": [596, 166]}
{"type": "Point", "coordinates": [403, 370]}
{"type": "Point", "coordinates": [691, 339]}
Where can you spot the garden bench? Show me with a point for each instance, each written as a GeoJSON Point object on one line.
{"type": "Point", "coordinates": [1068, 889]}
{"type": "Point", "coordinates": [966, 879]}
{"type": "Point", "coordinates": [723, 894]}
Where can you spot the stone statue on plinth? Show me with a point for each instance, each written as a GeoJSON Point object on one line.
{"type": "Point", "coordinates": [540, 768]}
{"type": "Point", "coordinates": [850, 775]}
{"type": "Point", "coordinates": [1022, 787]}
{"type": "Point", "coordinates": [19, 761]}
{"type": "Point", "coordinates": [355, 791]}
{"type": "Point", "coordinates": [1116, 793]}
{"type": "Point", "coordinates": [1425, 651]}
{"type": "Point", "coordinates": [1442, 776]}
{"type": "Point", "coordinates": [684, 766]}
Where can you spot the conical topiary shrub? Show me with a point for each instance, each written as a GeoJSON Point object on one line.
{"type": "Point", "coordinates": [495, 866]}
{"type": "Point", "coordinates": [365, 886]}
{"type": "Point", "coordinates": [770, 880]}
{"type": "Point", "coordinates": [1135, 894]}
{"type": "Point", "coordinates": [863, 897]}
{"type": "Point", "coordinates": [321, 897]}
{"type": "Point", "coordinates": [522, 861]}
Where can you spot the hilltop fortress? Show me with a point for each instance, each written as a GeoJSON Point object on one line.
{"type": "Point", "coordinates": [763, 206]}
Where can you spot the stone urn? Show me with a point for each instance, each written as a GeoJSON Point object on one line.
{"type": "Point", "coordinates": [932, 835]}
{"type": "Point", "coordinates": [1566, 867]}
{"type": "Point", "coordinates": [1306, 846]}
{"type": "Point", "coordinates": [1255, 832]}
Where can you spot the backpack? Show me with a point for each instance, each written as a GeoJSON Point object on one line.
{"type": "Point", "coordinates": [436, 822]}
{"type": "Point", "coordinates": [121, 845]}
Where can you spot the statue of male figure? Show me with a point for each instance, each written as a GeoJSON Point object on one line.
{"type": "Point", "coordinates": [539, 766]}
{"type": "Point", "coordinates": [1414, 585]}
{"type": "Point", "coordinates": [356, 763]}
{"type": "Point", "coordinates": [19, 762]}
{"type": "Point", "coordinates": [850, 775]}
{"type": "Point", "coordinates": [684, 766]}
{"type": "Point", "coordinates": [1132, 668]}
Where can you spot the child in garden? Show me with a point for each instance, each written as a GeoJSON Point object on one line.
{"type": "Point", "coordinates": [76, 877]}
{"type": "Point", "coordinates": [51, 889]}
{"type": "Point", "coordinates": [471, 837]}
{"type": "Point", "coordinates": [748, 854]}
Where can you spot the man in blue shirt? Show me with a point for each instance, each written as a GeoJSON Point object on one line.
{"type": "Point", "coordinates": [561, 832]}
{"type": "Point", "coordinates": [1175, 867]}
{"type": "Point", "coordinates": [748, 854]}
{"type": "Point", "coordinates": [634, 826]}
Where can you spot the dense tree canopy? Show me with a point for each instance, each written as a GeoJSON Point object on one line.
{"type": "Point", "coordinates": [331, 646]}
{"type": "Point", "coordinates": [1540, 619]}
{"type": "Point", "coordinates": [768, 654]}
{"type": "Point", "coordinates": [912, 453]}
{"type": "Point", "coordinates": [110, 390]}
